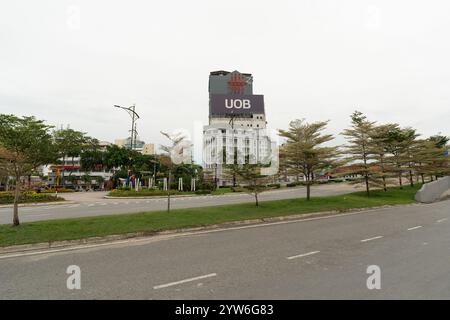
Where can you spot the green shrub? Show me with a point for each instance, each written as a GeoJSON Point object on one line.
{"type": "Point", "coordinates": [295, 184]}
{"type": "Point", "coordinates": [291, 184]}
{"type": "Point", "coordinates": [7, 197]}
{"type": "Point", "coordinates": [60, 190]}
{"type": "Point", "coordinates": [274, 185]}
{"type": "Point", "coordinates": [203, 192]}
{"type": "Point", "coordinates": [143, 193]}
{"type": "Point", "coordinates": [206, 186]}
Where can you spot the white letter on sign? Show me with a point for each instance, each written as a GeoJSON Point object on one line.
{"type": "Point", "coordinates": [236, 104]}
{"type": "Point", "coordinates": [228, 106]}
{"type": "Point", "coordinates": [246, 104]}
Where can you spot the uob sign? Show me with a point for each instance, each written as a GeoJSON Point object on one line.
{"type": "Point", "coordinates": [222, 104]}
{"type": "Point", "coordinates": [237, 104]}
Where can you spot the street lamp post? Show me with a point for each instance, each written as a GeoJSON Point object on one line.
{"type": "Point", "coordinates": [134, 116]}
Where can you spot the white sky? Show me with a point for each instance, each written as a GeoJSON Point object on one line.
{"type": "Point", "coordinates": [69, 62]}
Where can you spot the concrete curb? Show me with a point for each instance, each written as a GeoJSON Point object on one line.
{"type": "Point", "coordinates": [40, 204]}
{"type": "Point", "coordinates": [177, 196]}
{"type": "Point", "coordinates": [152, 197]}
{"type": "Point", "coordinates": [78, 244]}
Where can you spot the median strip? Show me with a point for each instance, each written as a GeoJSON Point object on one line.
{"type": "Point", "coordinates": [154, 222]}
{"type": "Point", "coordinates": [184, 281]}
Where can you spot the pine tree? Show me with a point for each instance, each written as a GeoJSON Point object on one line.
{"type": "Point", "coordinates": [361, 151]}
{"type": "Point", "coordinates": [380, 149]}
{"type": "Point", "coordinates": [304, 153]}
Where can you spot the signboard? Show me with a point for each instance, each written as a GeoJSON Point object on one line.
{"type": "Point", "coordinates": [224, 104]}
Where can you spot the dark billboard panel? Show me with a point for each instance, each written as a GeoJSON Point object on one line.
{"type": "Point", "coordinates": [223, 104]}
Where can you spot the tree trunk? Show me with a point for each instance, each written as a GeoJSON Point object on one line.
{"type": "Point", "coordinates": [384, 184]}
{"type": "Point", "coordinates": [256, 199]}
{"type": "Point", "coordinates": [411, 179]}
{"type": "Point", "coordinates": [62, 175]}
{"type": "Point", "coordinates": [423, 178]}
{"type": "Point", "coordinates": [308, 191]}
{"type": "Point", "coordinates": [168, 193]}
{"type": "Point", "coordinates": [16, 202]}
{"type": "Point", "coordinates": [367, 185]}
{"type": "Point", "coordinates": [400, 182]}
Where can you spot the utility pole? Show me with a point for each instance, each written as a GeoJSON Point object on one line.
{"type": "Point", "coordinates": [134, 117]}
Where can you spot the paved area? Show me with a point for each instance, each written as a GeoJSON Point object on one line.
{"type": "Point", "coordinates": [320, 258]}
{"type": "Point", "coordinates": [93, 204]}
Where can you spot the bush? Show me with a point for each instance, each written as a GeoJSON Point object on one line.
{"type": "Point", "coordinates": [295, 184]}
{"type": "Point", "coordinates": [7, 197]}
{"type": "Point", "coordinates": [291, 184]}
{"type": "Point", "coordinates": [203, 192]}
{"type": "Point", "coordinates": [274, 185]}
{"type": "Point", "coordinates": [60, 190]}
{"type": "Point", "coordinates": [206, 186]}
{"type": "Point", "coordinates": [142, 193]}
{"type": "Point", "coordinates": [237, 189]}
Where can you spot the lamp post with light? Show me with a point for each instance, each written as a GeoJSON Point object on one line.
{"type": "Point", "coordinates": [134, 116]}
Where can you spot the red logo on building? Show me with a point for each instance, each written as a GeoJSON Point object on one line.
{"type": "Point", "coordinates": [237, 83]}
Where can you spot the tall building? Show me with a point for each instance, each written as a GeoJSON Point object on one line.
{"type": "Point", "coordinates": [140, 146]}
{"type": "Point", "coordinates": [127, 143]}
{"type": "Point", "coordinates": [236, 132]}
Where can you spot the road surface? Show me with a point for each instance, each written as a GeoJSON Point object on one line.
{"type": "Point", "coordinates": [319, 258]}
{"type": "Point", "coordinates": [93, 204]}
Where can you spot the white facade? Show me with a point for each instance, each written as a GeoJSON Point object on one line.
{"type": "Point", "coordinates": [72, 168]}
{"type": "Point", "coordinates": [223, 144]}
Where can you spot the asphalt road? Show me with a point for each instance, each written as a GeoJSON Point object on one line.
{"type": "Point", "coordinates": [93, 204]}
{"type": "Point", "coordinates": [320, 258]}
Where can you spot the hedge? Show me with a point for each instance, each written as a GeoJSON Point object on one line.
{"type": "Point", "coordinates": [7, 197]}
{"type": "Point", "coordinates": [143, 193]}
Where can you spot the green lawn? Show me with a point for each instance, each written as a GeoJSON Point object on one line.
{"type": "Point", "coordinates": [149, 222]}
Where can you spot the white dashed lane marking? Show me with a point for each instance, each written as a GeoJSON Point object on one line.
{"type": "Point", "coordinates": [302, 255]}
{"type": "Point", "coordinates": [184, 281]}
{"type": "Point", "coordinates": [373, 238]}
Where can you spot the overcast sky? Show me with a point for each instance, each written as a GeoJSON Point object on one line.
{"type": "Point", "coordinates": [69, 62]}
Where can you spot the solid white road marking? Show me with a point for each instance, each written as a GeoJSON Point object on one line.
{"type": "Point", "coordinates": [302, 255]}
{"type": "Point", "coordinates": [370, 239]}
{"type": "Point", "coordinates": [414, 228]}
{"type": "Point", "coordinates": [91, 204]}
{"type": "Point", "coordinates": [184, 281]}
{"type": "Point", "coordinates": [441, 220]}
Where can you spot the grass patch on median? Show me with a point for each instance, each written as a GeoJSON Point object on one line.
{"type": "Point", "coordinates": [69, 229]}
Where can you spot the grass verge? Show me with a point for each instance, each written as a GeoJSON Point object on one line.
{"type": "Point", "coordinates": [79, 228]}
